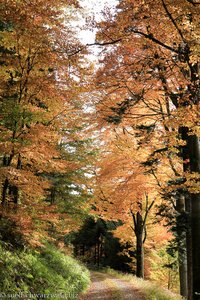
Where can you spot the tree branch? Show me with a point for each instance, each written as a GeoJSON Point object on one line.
{"type": "Point", "coordinates": [172, 20]}
{"type": "Point", "coordinates": [134, 220]}
{"type": "Point", "coordinates": [148, 208]}
{"type": "Point", "coordinates": [192, 2]}
{"type": "Point", "coordinates": [105, 43]}
{"type": "Point", "coordinates": [153, 39]}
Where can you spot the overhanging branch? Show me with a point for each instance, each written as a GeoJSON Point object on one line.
{"type": "Point", "coordinates": [172, 20]}
{"type": "Point", "coordinates": [153, 39]}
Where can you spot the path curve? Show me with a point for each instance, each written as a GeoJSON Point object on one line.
{"type": "Point", "coordinates": [107, 287]}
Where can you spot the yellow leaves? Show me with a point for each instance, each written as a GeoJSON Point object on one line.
{"type": "Point", "coordinates": [41, 76]}
{"type": "Point", "coordinates": [6, 39]}
{"type": "Point", "coordinates": [29, 183]}
{"type": "Point", "coordinates": [193, 182]}
{"type": "Point", "coordinates": [185, 116]}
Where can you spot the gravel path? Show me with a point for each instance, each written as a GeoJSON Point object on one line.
{"type": "Point", "coordinates": [106, 287]}
{"type": "Point", "coordinates": [98, 289]}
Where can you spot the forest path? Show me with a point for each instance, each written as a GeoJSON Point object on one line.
{"type": "Point", "coordinates": [107, 287]}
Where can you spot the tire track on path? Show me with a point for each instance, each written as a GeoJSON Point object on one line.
{"type": "Point", "coordinates": [107, 287]}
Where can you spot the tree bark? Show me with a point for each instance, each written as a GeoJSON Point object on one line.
{"type": "Point", "coordinates": [185, 153]}
{"type": "Point", "coordinates": [182, 257]}
{"type": "Point", "coordinates": [194, 153]}
{"type": "Point", "coordinates": [140, 257]}
{"type": "Point", "coordinates": [98, 253]}
{"type": "Point", "coordinates": [139, 247]}
{"type": "Point", "coordinates": [189, 248]}
{"type": "Point", "coordinates": [95, 254]}
{"type": "Point", "coordinates": [140, 233]}
{"type": "Point", "coordinates": [196, 245]}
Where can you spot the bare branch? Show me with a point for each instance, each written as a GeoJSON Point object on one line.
{"type": "Point", "coordinates": [105, 43]}
{"type": "Point", "coordinates": [153, 39]}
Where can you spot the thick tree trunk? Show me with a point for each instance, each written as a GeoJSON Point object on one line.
{"type": "Point", "coordinates": [183, 275]}
{"type": "Point", "coordinates": [186, 168]}
{"type": "Point", "coordinates": [189, 248]}
{"type": "Point", "coordinates": [140, 257]}
{"type": "Point", "coordinates": [98, 252]}
{"type": "Point", "coordinates": [140, 233]}
{"type": "Point", "coordinates": [139, 247]}
{"type": "Point", "coordinates": [196, 245]}
{"type": "Point", "coordinates": [180, 206]}
{"type": "Point", "coordinates": [194, 151]}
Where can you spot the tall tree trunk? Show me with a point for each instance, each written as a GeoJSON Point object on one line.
{"type": "Point", "coordinates": [140, 233]}
{"type": "Point", "coordinates": [98, 252]}
{"type": "Point", "coordinates": [182, 257]}
{"type": "Point", "coordinates": [185, 153]}
{"type": "Point", "coordinates": [194, 152]}
{"type": "Point", "coordinates": [139, 246]}
{"type": "Point", "coordinates": [191, 152]}
{"type": "Point", "coordinates": [140, 257]}
{"type": "Point", "coordinates": [189, 248]}
{"type": "Point", "coordinates": [101, 247]}
{"type": "Point", "coordinates": [196, 245]}
{"type": "Point", "coordinates": [183, 274]}
{"type": "Point", "coordinates": [95, 254]}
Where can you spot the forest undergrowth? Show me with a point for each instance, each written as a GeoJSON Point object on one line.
{"type": "Point", "coordinates": [40, 274]}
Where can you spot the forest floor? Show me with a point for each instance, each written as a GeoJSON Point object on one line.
{"type": "Point", "coordinates": [106, 287]}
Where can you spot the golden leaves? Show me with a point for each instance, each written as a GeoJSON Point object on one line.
{"type": "Point", "coordinates": [40, 70]}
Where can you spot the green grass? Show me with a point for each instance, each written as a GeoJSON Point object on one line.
{"type": "Point", "coordinates": [47, 272]}
{"type": "Point", "coordinates": [150, 290]}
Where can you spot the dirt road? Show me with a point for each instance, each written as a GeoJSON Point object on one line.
{"type": "Point", "coordinates": [106, 287]}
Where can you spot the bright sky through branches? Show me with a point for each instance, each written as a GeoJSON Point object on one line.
{"type": "Point", "coordinates": [94, 8]}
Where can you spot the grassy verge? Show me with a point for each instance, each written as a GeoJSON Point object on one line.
{"type": "Point", "coordinates": [44, 274]}
{"type": "Point", "coordinates": [150, 290]}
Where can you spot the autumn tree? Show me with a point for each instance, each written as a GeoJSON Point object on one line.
{"type": "Point", "coordinates": [139, 228]}
{"type": "Point", "coordinates": [119, 193]}
{"type": "Point", "coordinates": [41, 73]}
{"type": "Point", "coordinates": [150, 79]}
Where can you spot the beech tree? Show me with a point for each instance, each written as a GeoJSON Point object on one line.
{"type": "Point", "coordinates": [119, 194]}
{"type": "Point", "coordinates": [140, 232]}
{"type": "Point", "coordinates": [150, 78]}
{"type": "Point", "coordinates": [41, 72]}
